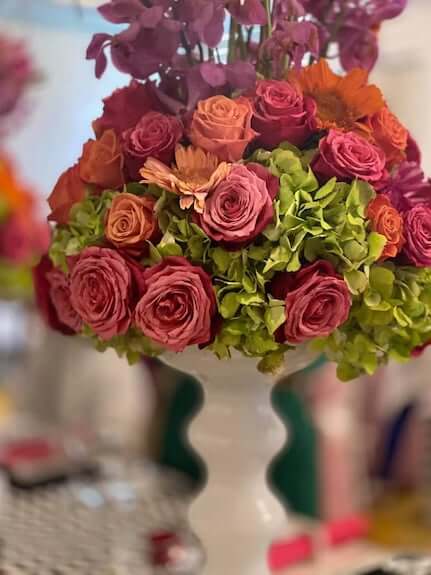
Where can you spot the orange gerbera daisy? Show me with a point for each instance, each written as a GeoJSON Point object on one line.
{"type": "Point", "coordinates": [342, 101]}
{"type": "Point", "coordinates": [13, 196]}
{"type": "Point", "coordinates": [193, 175]}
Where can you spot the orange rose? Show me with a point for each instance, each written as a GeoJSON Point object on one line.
{"type": "Point", "coordinates": [131, 221]}
{"type": "Point", "coordinates": [102, 162]}
{"type": "Point", "coordinates": [390, 135]}
{"type": "Point", "coordinates": [386, 221]}
{"type": "Point", "coordinates": [223, 126]}
{"type": "Point", "coordinates": [68, 190]}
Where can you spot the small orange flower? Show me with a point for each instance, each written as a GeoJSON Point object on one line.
{"type": "Point", "coordinates": [13, 196]}
{"type": "Point", "coordinates": [196, 172]}
{"type": "Point", "coordinates": [387, 221]}
{"type": "Point", "coordinates": [342, 101]}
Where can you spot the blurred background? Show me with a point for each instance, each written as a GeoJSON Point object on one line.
{"type": "Point", "coordinates": [367, 459]}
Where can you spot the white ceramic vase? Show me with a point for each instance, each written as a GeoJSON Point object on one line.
{"type": "Point", "coordinates": [237, 434]}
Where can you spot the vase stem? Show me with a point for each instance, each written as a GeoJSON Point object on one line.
{"type": "Point", "coordinates": [237, 433]}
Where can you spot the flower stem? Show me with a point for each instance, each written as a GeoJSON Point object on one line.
{"type": "Point", "coordinates": [269, 18]}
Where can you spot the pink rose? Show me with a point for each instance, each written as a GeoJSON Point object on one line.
{"type": "Point", "coordinates": [42, 293]}
{"type": "Point", "coordinates": [178, 306]}
{"type": "Point", "coordinates": [102, 291]}
{"type": "Point", "coordinates": [239, 208]}
{"type": "Point", "coordinates": [125, 107]}
{"type": "Point", "coordinates": [155, 135]}
{"type": "Point", "coordinates": [60, 296]}
{"type": "Point", "coordinates": [281, 113]}
{"type": "Point", "coordinates": [317, 302]}
{"type": "Point", "coordinates": [417, 232]}
{"type": "Point", "coordinates": [348, 156]}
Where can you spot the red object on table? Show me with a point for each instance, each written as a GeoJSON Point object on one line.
{"type": "Point", "coordinates": [287, 553]}
{"type": "Point", "coordinates": [346, 530]}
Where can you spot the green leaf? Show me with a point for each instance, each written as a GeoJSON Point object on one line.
{"type": "Point", "coordinates": [229, 305]}
{"type": "Point", "coordinates": [376, 243]}
{"type": "Point", "coordinates": [272, 363]}
{"type": "Point", "coordinates": [382, 281]}
{"type": "Point", "coordinates": [196, 248]}
{"type": "Point", "coordinates": [155, 255]}
{"type": "Point", "coordinates": [357, 281]}
{"type": "Point", "coordinates": [275, 316]}
{"type": "Point", "coordinates": [222, 259]}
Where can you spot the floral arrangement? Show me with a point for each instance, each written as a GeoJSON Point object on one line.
{"type": "Point", "coordinates": [23, 236]}
{"type": "Point", "coordinates": [252, 204]}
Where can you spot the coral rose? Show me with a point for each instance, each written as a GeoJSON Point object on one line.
{"type": "Point", "coordinates": [43, 297]}
{"type": "Point", "coordinates": [317, 302]}
{"type": "Point", "coordinates": [155, 135]}
{"type": "Point", "coordinates": [130, 222]}
{"type": "Point", "coordinates": [387, 221]}
{"type": "Point", "coordinates": [68, 191]}
{"type": "Point", "coordinates": [223, 126]}
{"type": "Point", "coordinates": [348, 156]}
{"type": "Point", "coordinates": [101, 287]}
{"type": "Point", "coordinates": [417, 231]}
{"type": "Point", "coordinates": [102, 162]}
{"type": "Point", "coordinates": [238, 209]}
{"type": "Point", "coordinates": [281, 113]}
{"type": "Point", "coordinates": [178, 305]}
{"type": "Point", "coordinates": [389, 134]}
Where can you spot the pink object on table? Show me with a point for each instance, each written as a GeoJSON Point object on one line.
{"type": "Point", "coordinates": [344, 531]}
{"type": "Point", "coordinates": [287, 553]}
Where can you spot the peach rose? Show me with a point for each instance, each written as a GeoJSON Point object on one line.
{"type": "Point", "coordinates": [387, 221]}
{"type": "Point", "coordinates": [223, 126]}
{"type": "Point", "coordinates": [389, 134]}
{"type": "Point", "coordinates": [102, 162]}
{"type": "Point", "coordinates": [68, 191]}
{"type": "Point", "coordinates": [130, 222]}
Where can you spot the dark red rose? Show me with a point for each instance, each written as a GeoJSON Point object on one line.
{"type": "Point", "coordinates": [178, 306]}
{"type": "Point", "coordinates": [348, 156]}
{"type": "Point", "coordinates": [43, 296]}
{"type": "Point", "coordinates": [125, 107]}
{"type": "Point", "coordinates": [281, 113]}
{"type": "Point", "coordinates": [420, 349]}
{"type": "Point", "coordinates": [317, 302]}
{"type": "Point", "coordinates": [155, 135]}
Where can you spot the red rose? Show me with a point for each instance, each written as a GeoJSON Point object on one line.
{"type": "Point", "coordinates": [348, 156]}
{"type": "Point", "coordinates": [272, 182]}
{"type": "Point", "coordinates": [60, 297]}
{"type": "Point", "coordinates": [101, 286]}
{"type": "Point", "coordinates": [155, 135]}
{"type": "Point", "coordinates": [281, 113]}
{"type": "Point", "coordinates": [68, 191]}
{"type": "Point", "coordinates": [238, 209]}
{"type": "Point", "coordinates": [43, 297]}
{"type": "Point", "coordinates": [102, 162]}
{"type": "Point", "coordinates": [317, 302]}
{"type": "Point", "coordinates": [178, 306]}
{"type": "Point", "coordinates": [421, 349]}
{"type": "Point", "coordinates": [125, 107]}
{"type": "Point", "coordinates": [389, 134]}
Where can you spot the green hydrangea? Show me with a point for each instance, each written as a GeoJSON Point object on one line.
{"type": "Point", "coordinates": [388, 320]}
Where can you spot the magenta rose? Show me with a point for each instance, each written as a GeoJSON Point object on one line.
{"type": "Point", "coordinates": [417, 231]}
{"type": "Point", "coordinates": [239, 208]}
{"type": "Point", "coordinates": [102, 291]}
{"type": "Point", "coordinates": [317, 302]}
{"type": "Point", "coordinates": [155, 135]}
{"type": "Point", "coordinates": [178, 306]}
{"type": "Point", "coordinates": [281, 113]}
{"type": "Point", "coordinates": [348, 156]}
{"type": "Point", "coordinates": [61, 300]}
